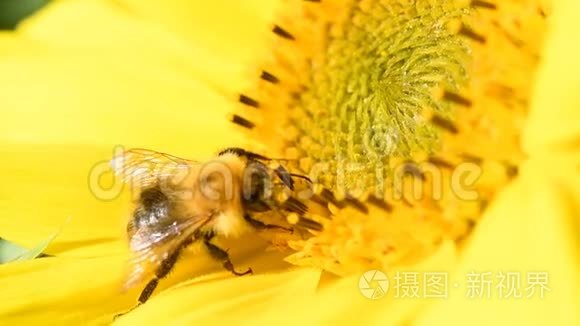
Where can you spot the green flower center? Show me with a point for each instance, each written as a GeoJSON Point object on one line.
{"type": "Point", "coordinates": [363, 101]}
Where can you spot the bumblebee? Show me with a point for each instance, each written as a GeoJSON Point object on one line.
{"type": "Point", "coordinates": [182, 202]}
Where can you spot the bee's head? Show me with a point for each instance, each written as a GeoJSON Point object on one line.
{"type": "Point", "coordinates": [257, 187]}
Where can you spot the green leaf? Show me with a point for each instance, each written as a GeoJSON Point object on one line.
{"type": "Point", "coordinates": [38, 249]}
{"type": "Point", "coordinates": [13, 11]}
{"type": "Point", "coordinates": [10, 251]}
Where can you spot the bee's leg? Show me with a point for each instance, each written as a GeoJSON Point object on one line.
{"type": "Point", "coordinates": [259, 225]}
{"type": "Point", "coordinates": [164, 269]}
{"type": "Point", "coordinates": [166, 266]}
{"type": "Point", "coordinates": [223, 256]}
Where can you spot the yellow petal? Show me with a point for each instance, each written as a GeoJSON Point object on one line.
{"type": "Point", "coordinates": [123, 29]}
{"type": "Point", "coordinates": [79, 291]}
{"type": "Point", "coordinates": [210, 301]}
{"type": "Point", "coordinates": [232, 30]}
{"type": "Point", "coordinates": [554, 118]}
{"type": "Point", "coordinates": [531, 228]}
{"type": "Point", "coordinates": [342, 302]}
{"type": "Point", "coordinates": [105, 98]}
{"type": "Point", "coordinates": [46, 188]}
{"type": "Point", "coordinates": [62, 290]}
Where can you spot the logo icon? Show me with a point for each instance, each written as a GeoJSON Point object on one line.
{"type": "Point", "coordinates": [373, 284]}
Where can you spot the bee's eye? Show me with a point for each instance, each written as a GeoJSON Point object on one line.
{"type": "Point", "coordinates": [256, 185]}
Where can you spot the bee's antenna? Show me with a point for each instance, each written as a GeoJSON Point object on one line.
{"type": "Point", "coordinates": [301, 177]}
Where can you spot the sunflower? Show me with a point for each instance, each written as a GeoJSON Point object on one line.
{"type": "Point", "coordinates": [356, 93]}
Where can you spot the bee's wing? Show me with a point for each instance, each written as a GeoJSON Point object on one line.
{"type": "Point", "coordinates": [153, 243]}
{"type": "Point", "coordinates": [146, 167]}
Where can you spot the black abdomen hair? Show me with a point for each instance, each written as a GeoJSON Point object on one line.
{"type": "Point", "coordinates": [153, 208]}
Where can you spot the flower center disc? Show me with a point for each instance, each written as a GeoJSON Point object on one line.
{"type": "Point", "coordinates": [382, 104]}
{"type": "Point", "coordinates": [363, 101]}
